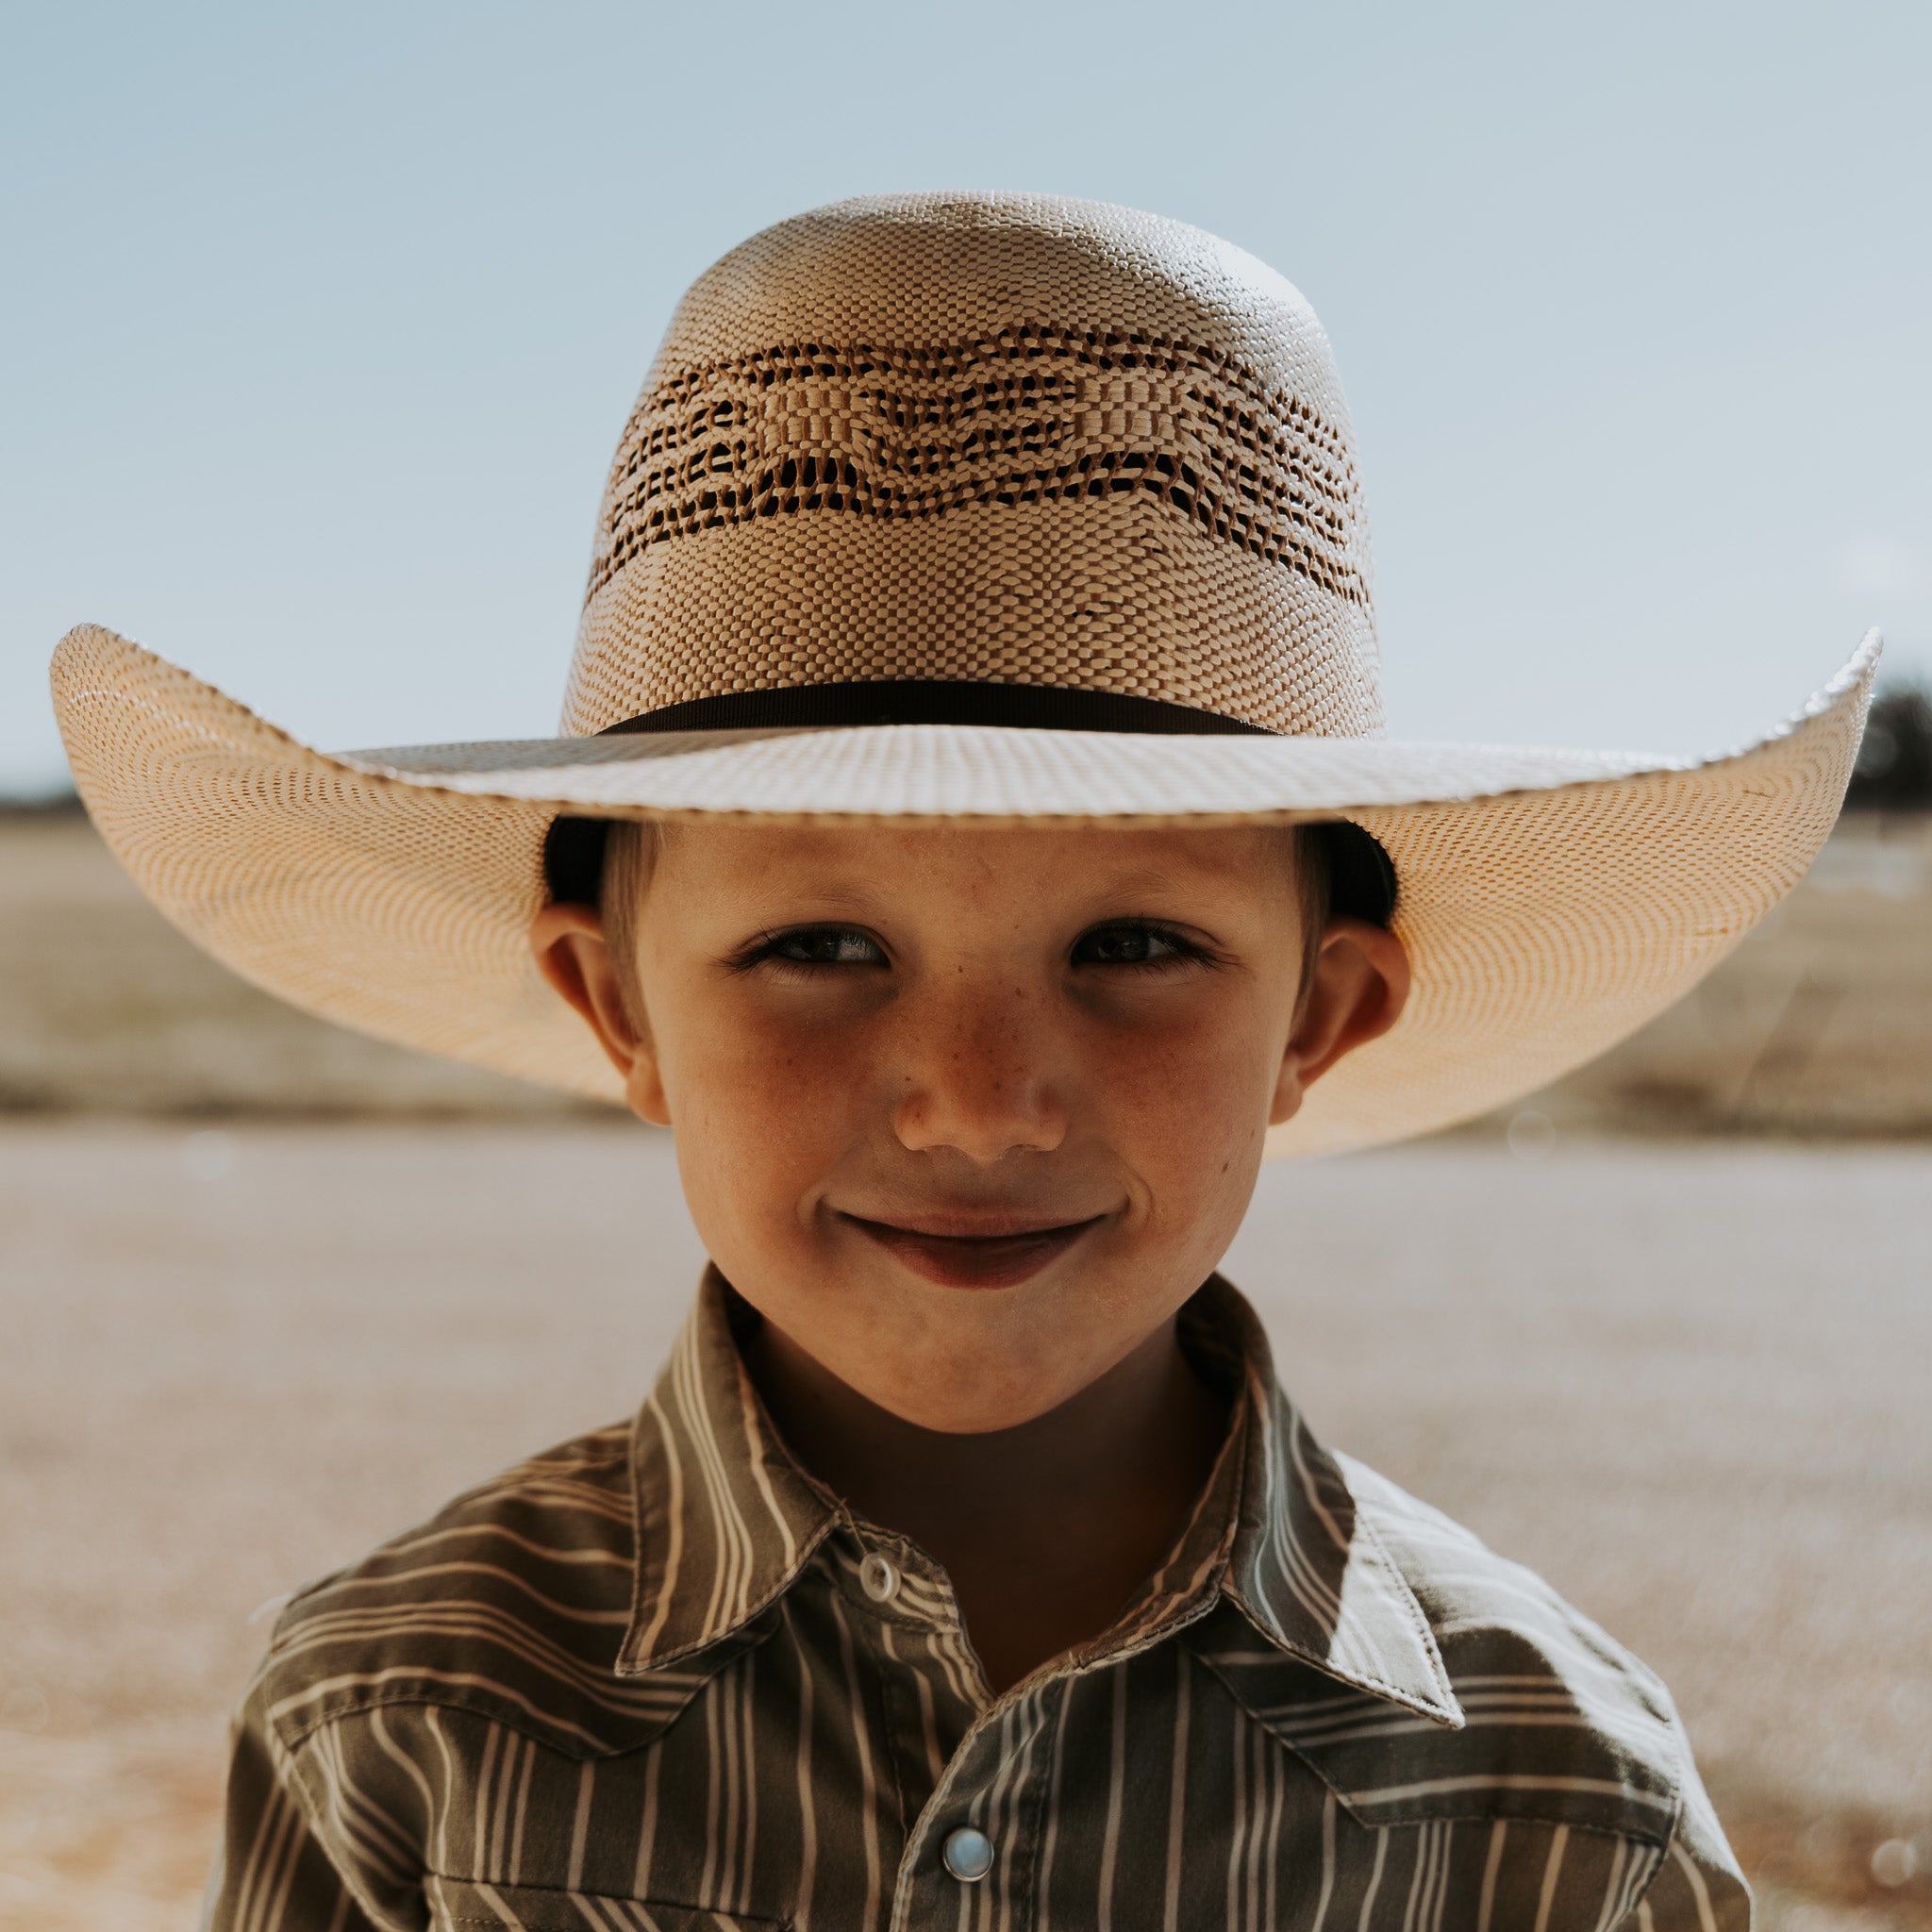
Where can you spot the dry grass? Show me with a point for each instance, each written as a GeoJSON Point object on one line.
{"type": "Point", "coordinates": [1819, 1025]}
{"type": "Point", "coordinates": [1687, 1383]}
{"type": "Point", "coordinates": [104, 1007]}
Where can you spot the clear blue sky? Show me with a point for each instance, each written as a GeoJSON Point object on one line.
{"type": "Point", "coordinates": [320, 322]}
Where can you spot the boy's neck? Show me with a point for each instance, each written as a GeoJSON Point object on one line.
{"type": "Point", "coordinates": [1046, 1529]}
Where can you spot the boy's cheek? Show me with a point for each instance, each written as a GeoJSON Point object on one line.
{"type": "Point", "coordinates": [1191, 1126]}
{"type": "Point", "coordinates": [762, 1119]}
{"type": "Point", "coordinates": [1191, 1100]}
{"type": "Point", "coordinates": [1151, 1074]}
{"type": "Point", "coordinates": [811, 1085]}
{"type": "Point", "coordinates": [774, 1109]}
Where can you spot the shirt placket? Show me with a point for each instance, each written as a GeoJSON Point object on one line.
{"type": "Point", "coordinates": [983, 1767]}
{"type": "Point", "coordinates": [971, 1859]}
{"type": "Point", "coordinates": [972, 1849]}
{"type": "Point", "coordinates": [965, 1765]}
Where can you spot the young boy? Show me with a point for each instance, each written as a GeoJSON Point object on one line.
{"type": "Point", "coordinates": [973, 838]}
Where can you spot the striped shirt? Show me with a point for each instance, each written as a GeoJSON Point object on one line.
{"type": "Point", "coordinates": [661, 1678]}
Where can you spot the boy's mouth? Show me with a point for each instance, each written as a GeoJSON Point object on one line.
{"type": "Point", "coordinates": [1002, 1260]}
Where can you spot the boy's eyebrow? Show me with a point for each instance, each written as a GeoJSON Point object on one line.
{"type": "Point", "coordinates": [1150, 882]}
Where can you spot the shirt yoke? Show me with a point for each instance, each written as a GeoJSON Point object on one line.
{"type": "Point", "coordinates": [510, 1603]}
{"type": "Point", "coordinates": [1561, 1723]}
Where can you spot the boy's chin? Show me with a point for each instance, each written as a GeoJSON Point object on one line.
{"type": "Point", "coordinates": [974, 1364]}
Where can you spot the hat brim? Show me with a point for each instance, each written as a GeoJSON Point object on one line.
{"type": "Point", "coordinates": [1551, 901]}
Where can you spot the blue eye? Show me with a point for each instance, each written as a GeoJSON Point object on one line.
{"type": "Point", "coordinates": [824, 945]}
{"type": "Point", "coordinates": [1129, 942]}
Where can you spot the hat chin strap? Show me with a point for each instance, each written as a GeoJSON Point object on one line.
{"type": "Point", "coordinates": [937, 701]}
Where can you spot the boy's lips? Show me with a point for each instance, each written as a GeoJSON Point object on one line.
{"type": "Point", "coordinates": [950, 1251]}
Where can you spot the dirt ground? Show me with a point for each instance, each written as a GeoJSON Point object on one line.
{"type": "Point", "coordinates": [1689, 1382]}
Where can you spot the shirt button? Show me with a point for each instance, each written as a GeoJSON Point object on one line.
{"type": "Point", "coordinates": [880, 1577]}
{"type": "Point", "coordinates": [968, 1854]}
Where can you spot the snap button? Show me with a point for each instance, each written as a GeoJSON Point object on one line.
{"type": "Point", "coordinates": [968, 1854]}
{"type": "Point", "coordinates": [879, 1576]}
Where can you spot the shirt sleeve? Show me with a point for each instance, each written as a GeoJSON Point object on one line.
{"type": "Point", "coordinates": [1697, 1887]}
{"type": "Point", "coordinates": [283, 1865]}
{"type": "Point", "coordinates": [1689, 1895]}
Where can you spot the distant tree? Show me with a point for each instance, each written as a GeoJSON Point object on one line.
{"type": "Point", "coordinates": [1895, 767]}
{"type": "Point", "coordinates": [61, 803]}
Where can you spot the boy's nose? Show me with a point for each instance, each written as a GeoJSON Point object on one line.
{"type": "Point", "coordinates": [975, 1080]}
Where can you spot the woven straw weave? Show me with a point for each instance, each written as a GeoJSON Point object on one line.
{"type": "Point", "coordinates": [989, 439]}
{"type": "Point", "coordinates": [1000, 439]}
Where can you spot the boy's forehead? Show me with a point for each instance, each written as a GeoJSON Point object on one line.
{"type": "Point", "coordinates": [1075, 857]}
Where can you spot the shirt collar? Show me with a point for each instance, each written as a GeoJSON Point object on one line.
{"type": "Point", "coordinates": [1305, 1565]}
{"type": "Point", "coordinates": [726, 1520]}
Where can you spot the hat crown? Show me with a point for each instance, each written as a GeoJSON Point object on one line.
{"type": "Point", "coordinates": [987, 440]}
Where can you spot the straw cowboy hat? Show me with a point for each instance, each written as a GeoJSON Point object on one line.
{"type": "Point", "coordinates": [995, 508]}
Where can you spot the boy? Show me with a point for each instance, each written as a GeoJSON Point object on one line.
{"type": "Point", "coordinates": [971, 836]}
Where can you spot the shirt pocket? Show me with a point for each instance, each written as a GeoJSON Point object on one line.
{"type": "Point", "coordinates": [469, 1904]}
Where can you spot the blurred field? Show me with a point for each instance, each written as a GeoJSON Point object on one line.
{"type": "Point", "coordinates": [269, 1292]}
{"type": "Point", "coordinates": [1688, 1383]}
{"type": "Point", "coordinates": [104, 1007]}
{"type": "Point", "coordinates": [1819, 1024]}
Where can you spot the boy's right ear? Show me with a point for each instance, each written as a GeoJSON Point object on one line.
{"type": "Point", "coordinates": [573, 956]}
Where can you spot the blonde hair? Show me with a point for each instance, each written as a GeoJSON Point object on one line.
{"type": "Point", "coordinates": [630, 857]}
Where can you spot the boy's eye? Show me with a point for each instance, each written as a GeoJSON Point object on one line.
{"type": "Point", "coordinates": [1131, 944]}
{"type": "Point", "coordinates": [824, 945]}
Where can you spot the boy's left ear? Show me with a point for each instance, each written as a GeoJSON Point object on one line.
{"type": "Point", "coordinates": [1358, 988]}
{"type": "Point", "coordinates": [574, 957]}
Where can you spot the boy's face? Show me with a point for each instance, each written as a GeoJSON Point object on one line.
{"type": "Point", "coordinates": [968, 1113]}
